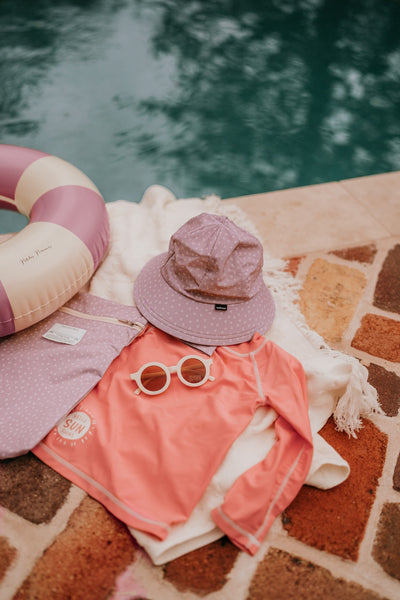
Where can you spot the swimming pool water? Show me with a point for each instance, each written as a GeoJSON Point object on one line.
{"type": "Point", "coordinates": [203, 96]}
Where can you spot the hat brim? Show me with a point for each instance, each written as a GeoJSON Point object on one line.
{"type": "Point", "coordinates": [195, 321]}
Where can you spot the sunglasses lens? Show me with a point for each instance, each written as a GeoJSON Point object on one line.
{"type": "Point", "coordinates": [193, 370]}
{"type": "Point", "coordinates": [153, 378]}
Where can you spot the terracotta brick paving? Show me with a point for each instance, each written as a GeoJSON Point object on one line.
{"type": "Point", "coordinates": [387, 290]}
{"type": "Point", "coordinates": [339, 516]}
{"type": "Point", "coordinates": [84, 560]}
{"type": "Point", "coordinates": [380, 336]}
{"type": "Point", "coordinates": [31, 489]}
{"type": "Point", "coordinates": [330, 296]}
{"type": "Point", "coordinates": [281, 575]}
{"type": "Point", "coordinates": [396, 475]}
{"type": "Point", "coordinates": [56, 543]}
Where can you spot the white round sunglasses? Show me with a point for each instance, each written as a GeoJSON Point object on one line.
{"type": "Point", "coordinates": [154, 377]}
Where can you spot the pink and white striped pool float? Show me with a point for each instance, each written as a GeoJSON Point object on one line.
{"type": "Point", "coordinates": [45, 264]}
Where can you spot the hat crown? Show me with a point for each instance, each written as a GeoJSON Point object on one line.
{"type": "Point", "coordinates": [210, 259]}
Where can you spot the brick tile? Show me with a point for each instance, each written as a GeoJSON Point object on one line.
{"type": "Point", "coordinates": [7, 556]}
{"type": "Point", "coordinates": [387, 290]}
{"type": "Point", "coordinates": [282, 576]}
{"type": "Point", "coordinates": [85, 559]}
{"type": "Point", "coordinates": [335, 520]}
{"type": "Point", "coordinates": [31, 489]}
{"type": "Point", "coordinates": [379, 336]}
{"type": "Point", "coordinates": [387, 384]}
{"type": "Point", "coordinates": [386, 550]}
{"type": "Point", "coordinates": [396, 475]}
{"type": "Point", "coordinates": [204, 570]}
{"type": "Point", "coordinates": [292, 265]}
{"type": "Point", "coordinates": [329, 297]}
{"type": "Point", "coordinates": [361, 254]}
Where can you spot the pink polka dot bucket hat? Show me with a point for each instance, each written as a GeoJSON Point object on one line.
{"type": "Point", "coordinates": [208, 288]}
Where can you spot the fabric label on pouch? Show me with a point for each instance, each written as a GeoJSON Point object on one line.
{"type": "Point", "coordinates": [64, 334]}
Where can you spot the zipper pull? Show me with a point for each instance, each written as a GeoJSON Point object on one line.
{"type": "Point", "coordinates": [134, 324]}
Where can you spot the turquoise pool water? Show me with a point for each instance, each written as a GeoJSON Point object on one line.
{"type": "Point", "coordinates": [230, 97]}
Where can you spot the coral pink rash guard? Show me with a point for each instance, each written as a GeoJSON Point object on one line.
{"type": "Point", "coordinates": [149, 459]}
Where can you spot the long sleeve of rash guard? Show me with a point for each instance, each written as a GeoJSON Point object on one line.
{"type": "Point", "coordinates": [264, 491]}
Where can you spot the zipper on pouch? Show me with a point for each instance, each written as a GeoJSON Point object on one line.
{"type": "Point", "coordinates": [114, 320]}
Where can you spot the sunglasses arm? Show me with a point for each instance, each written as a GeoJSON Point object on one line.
{"type": "Point", "coordinates": [133, 377]}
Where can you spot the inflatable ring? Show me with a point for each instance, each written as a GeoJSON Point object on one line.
{"type": "Point", "coordinates": [45, 264]}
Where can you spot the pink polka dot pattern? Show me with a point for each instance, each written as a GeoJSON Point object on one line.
{"type": "Point", "coordinates": [208, 288]}
{"type": "Point", "coordinates": [42, 380]}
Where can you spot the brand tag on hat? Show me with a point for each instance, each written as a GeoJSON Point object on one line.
{"type": "Point", "coordinates": [64, 334]}
{"type": "Point", "coordinates": [221, 306]}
